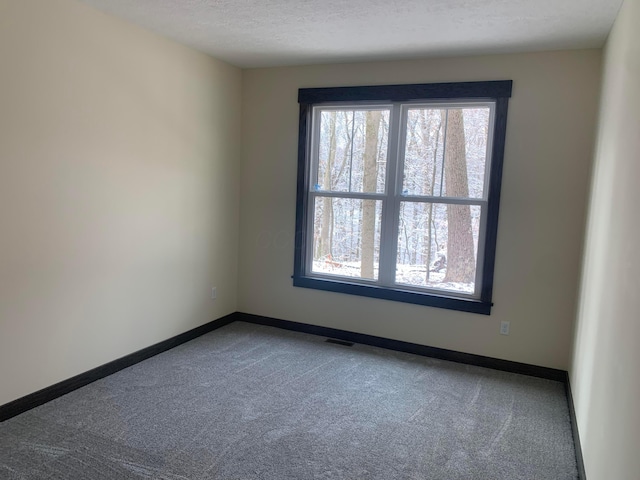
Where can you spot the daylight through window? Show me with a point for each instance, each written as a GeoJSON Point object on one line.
{"type": "Point", "coordinates": [398, 199]}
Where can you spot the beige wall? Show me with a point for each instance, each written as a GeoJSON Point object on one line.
{"type": "Point", "coordinates": [119, 173]}
{"type": "Point", "coordinates": [119, 183]}
{"type": "Point", "coordinates": [604, 374]}
{"type": "Point", "coordinates": [549, 147]}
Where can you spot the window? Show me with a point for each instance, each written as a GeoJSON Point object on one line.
{"type": "Point", "coordinates": [398, 191]}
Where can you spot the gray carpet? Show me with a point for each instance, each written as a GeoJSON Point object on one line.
{"type": "Point", "coordinates": [250, 402]}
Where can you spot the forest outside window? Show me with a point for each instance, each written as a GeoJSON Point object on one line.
{"type": "Point", "coordinates": [398, 191]}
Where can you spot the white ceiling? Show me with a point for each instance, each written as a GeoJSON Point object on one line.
{"type": "Point", "coordinates": [259, 33]}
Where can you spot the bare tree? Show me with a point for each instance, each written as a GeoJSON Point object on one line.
{"type": "Point", "coordinates": [431, 181]}
{"type": "Point", "coordinates": [324, 246]}
{"type": "Point", "coordinates": [460, 254]}
{"type": "Point", "coordinates": [370, 181]}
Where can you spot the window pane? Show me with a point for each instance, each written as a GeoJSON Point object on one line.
{"type": "Point", "coordinates": [346, 237]}
{"type": "Point", "coordinates": [446, 151]}
{"type": "Point", "coordinates": [438, 246]}
{"type": "Point", "coordinates": [352, 151]}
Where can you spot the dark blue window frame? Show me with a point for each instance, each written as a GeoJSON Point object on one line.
{"type": "Point", "coordinates": [498, 91]}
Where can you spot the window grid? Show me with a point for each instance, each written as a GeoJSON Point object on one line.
{"type": "Point", "coordinates": [392, 198]}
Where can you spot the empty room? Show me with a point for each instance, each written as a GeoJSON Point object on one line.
{"type": "Point", "coordinates": [319, 240]}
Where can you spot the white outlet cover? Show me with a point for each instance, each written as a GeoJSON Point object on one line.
{"type": "Point", "coordinates": [504, 328]}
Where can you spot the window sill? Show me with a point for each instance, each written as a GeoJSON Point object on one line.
{"type": "Point", "coordinates": [397, 295]}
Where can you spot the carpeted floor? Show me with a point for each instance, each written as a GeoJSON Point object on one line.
{"type": "Point", "coordinates": [249, 402]}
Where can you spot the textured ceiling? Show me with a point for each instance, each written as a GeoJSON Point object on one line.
{"type": "Point", "coordinates": [262, 33]}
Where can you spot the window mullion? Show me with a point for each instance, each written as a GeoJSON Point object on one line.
{"type": "Point", "coordinates": [445, 200]}
{"type": "Point", "coordinates": [390, 207]}
{"type": "Point", "coordinates": [354, 195]}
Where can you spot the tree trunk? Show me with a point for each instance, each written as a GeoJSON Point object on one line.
{"type": "Point", "coordinates": [460, 255]}
{"type": "Point", "coordinates": [370, 182]}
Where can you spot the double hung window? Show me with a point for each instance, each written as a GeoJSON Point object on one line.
{"type": "Point", "coordinates": [398, 191]}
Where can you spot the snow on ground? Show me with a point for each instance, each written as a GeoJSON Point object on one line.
{"type": "Point", "coordinates": [413, 275]}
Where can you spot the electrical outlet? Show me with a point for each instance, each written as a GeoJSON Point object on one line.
{"type": "Point", "coordinates": [214, 293]}
{"type": "Point", "coordinates": [504, 328]}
